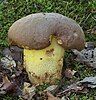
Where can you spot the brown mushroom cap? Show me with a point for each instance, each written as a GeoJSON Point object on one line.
{"type": "Point", "coordinates": [33, 31]}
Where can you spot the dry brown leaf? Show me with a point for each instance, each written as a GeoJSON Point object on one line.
{"type": "Point", "coordinates": [15, 52]}
{"type": "Point", "coordinates": [28, 91]}
{"type": "Point", "coordinates": [71, 88]}
{"type": "Point", "coordinates": [6, 83]}
{"type": "Point", "coordinates": [69, 73]}
{"type": "Point", "coordinates": [51, 97]}
{"type": "Point", "coordinates": [7, 86]}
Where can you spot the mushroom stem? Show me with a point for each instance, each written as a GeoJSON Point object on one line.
{"type": "Point", "coordinates": [44, 66]}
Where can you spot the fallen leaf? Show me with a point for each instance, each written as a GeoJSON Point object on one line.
{"type": "Point", "coordinates": [69, 73]}
{"type": "Point", "coordinates": [51, 97]}
{"type": "Point", "coordinates": [15, 52]}
{"type": "Point", "coordinates": [80, 86]}
{"type": "Point", "coordinates": [86, 56]}
{"type": "Point", "coordinates": [6, 51]}
{"type": "Point", "coordinates": [71, 88]}
{"type": "Point", "coordinates": [8, 62]}
{"type": "Point", "coordinates": [89, 81]}
{"type": "Point", "coordinates": [28, 91]}
{"type": "Point", "coordinates": [7, 86]}
{"type": "Point", "coordinates": [51, 88]}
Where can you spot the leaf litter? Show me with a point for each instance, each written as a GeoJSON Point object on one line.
{"type": "Point", "coordinates": [87, 56]}
{"type": "Point", "coordinates": [14, 79]}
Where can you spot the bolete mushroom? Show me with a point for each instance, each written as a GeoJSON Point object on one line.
{"type": "Point", "coordinates": [45, 37]}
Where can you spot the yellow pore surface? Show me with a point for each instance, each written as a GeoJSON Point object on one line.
{"type": "Point", "coordinates": [44, 65]}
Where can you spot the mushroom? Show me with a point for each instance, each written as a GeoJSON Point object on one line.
{"type": "Point", "coordinates": [45, 37]}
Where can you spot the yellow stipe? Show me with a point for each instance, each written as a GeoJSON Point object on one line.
{"type": "Point", "coordinates": [44, 65]}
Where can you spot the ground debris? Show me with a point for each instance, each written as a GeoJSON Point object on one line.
{"type": "Point", "coordinates": [15, 52]}
{"type": "Point", "coordinates": [7, 86]}
{"type": "Point", "coordinates": [87, 56]}
{"type": "Point", "coordinates": [28, 91]}
{"type": "Point", "coordinates": [80, 86]}
{"type": "Point", "coordinates": [12, 74]}
{"type": "Point", "coordinates": [51, 97]}
{"type": "Point", "coordinates": [69, 73]}
{"type": "Point", "coordinates": [8, 61]}
{"type": "Point", "coordinates": [89, 81]}
{"type": "Point", "coordinates": [14, 79]}
{"type": "Point", "coordinates": [71, 88]}
{"type": "Point", "coordinates": [51, 88]}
